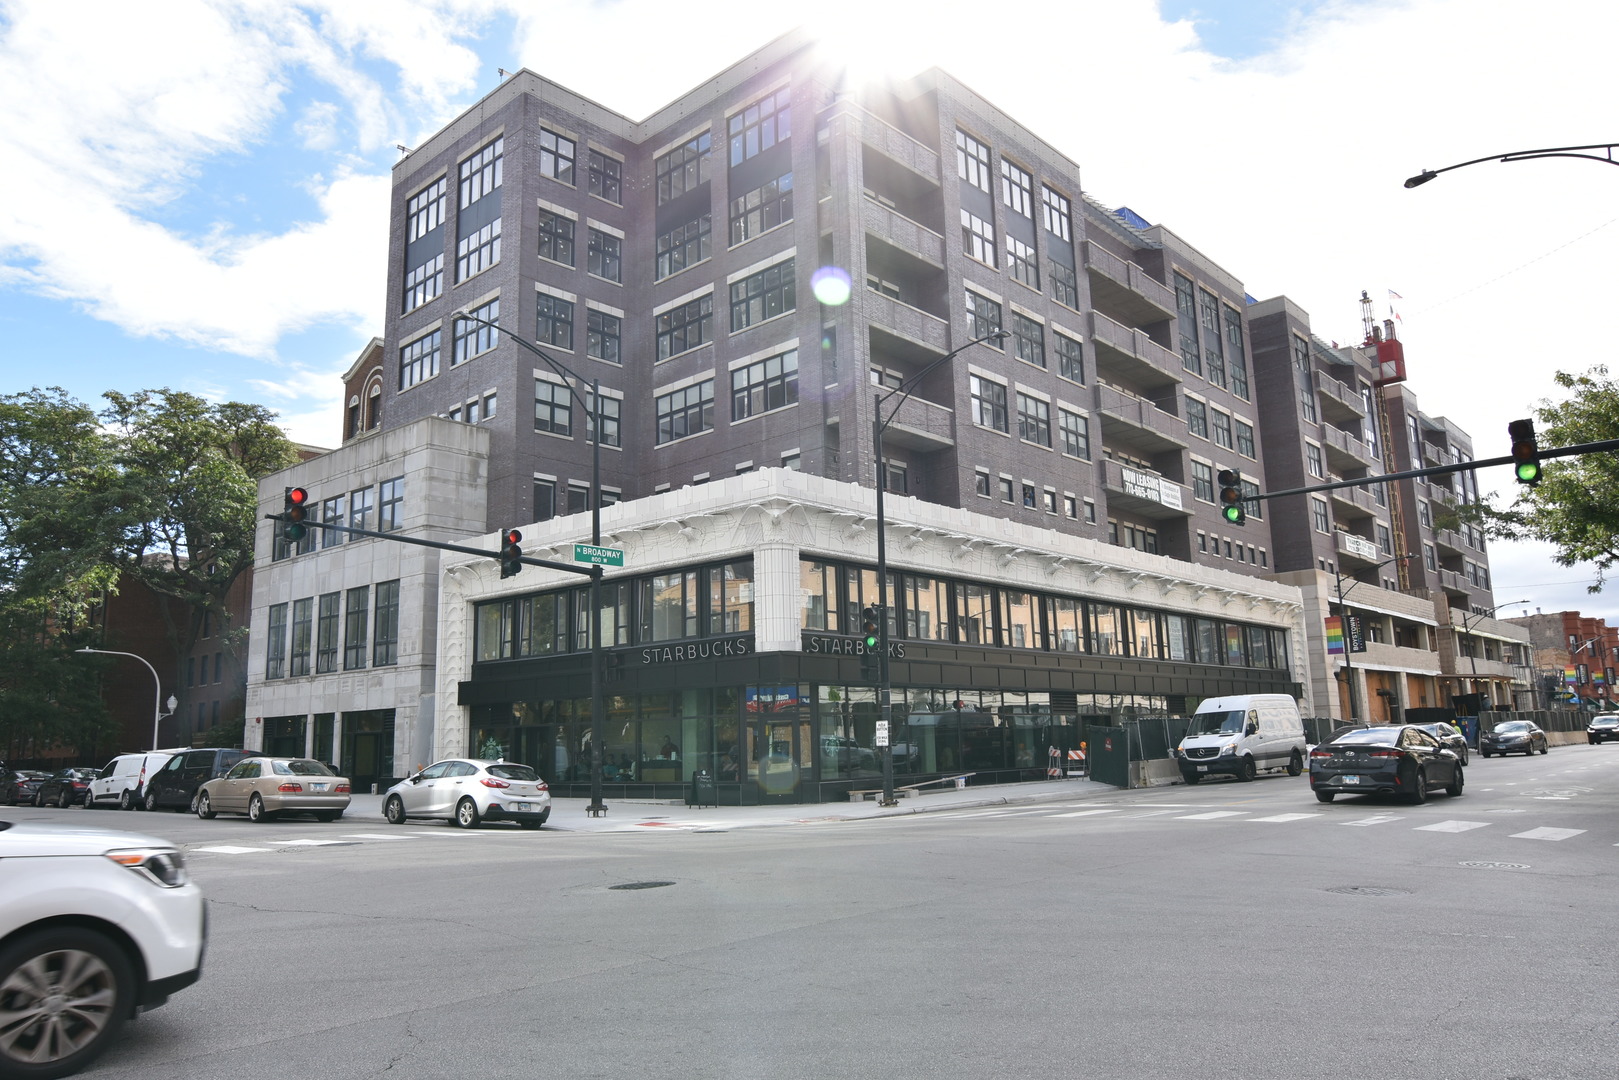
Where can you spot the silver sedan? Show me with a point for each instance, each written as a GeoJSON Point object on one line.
{"type": "Point", "coordinates": [468, 791]}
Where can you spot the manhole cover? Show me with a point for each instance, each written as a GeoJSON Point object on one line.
{"type": "Point", "coordinates": [1369, 890]}
{"type": "Point", "coordinates": [642, 885]}
{"type": "Point", "coordinates": [1495, 865]}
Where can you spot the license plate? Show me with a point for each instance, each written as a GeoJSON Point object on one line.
{"type": "Point", "coordinates": [1202, 768]}
{"type": "Point", "coordinates": [1349, 779]}
{"type": "Point", "coordinates": [521, 808]}
{"type": "Point", "coordinates": [317, 787]}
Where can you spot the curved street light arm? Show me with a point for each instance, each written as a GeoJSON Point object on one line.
{"type": "Point", "coordinates": [1524, 155]}
{"type": "Point", "coordinates": [906, 388]}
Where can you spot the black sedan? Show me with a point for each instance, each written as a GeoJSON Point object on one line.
{"type": "Point", "coordinates": [66, 788]}
{"type": "Point", "coordinates": [1600, 729]}
{"type": "Point", "coordinates": [1392, 759]}
{"type": "Point", "coordinates": [19, 785]}
{"type": "Point", "coordinates": [1513, 737]}
{"type": "Point", "coordinates": [1449, 737]}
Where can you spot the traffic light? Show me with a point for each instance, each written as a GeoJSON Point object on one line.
{"type": "Point", "coordinates": [511, 556]}
{"type": "Point", "coordinates": [1231, 496]}
{"type": "Point", "coordinates": [870, 640]}
{"type": "Point", "coordinates": [1525, 452]}
{"type": "Point", "coordinates": [294, 508]}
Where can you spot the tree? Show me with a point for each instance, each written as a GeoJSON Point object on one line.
{"type": "Point", "coordinates": [1574, 506]}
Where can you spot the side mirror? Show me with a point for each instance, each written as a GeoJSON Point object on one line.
{"type": "Point", "coordinates": [416, 779]}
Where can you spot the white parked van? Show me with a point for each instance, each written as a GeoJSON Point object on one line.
{"type": "Point", "coordinates": [1241, 735]}
{"type": "Point", "coordinates": [123, 782]}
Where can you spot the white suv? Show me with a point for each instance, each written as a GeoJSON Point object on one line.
{"type": "Point", "coordinates": [123, 782]}
{"type": "Point", "coordinates": [95, 926]}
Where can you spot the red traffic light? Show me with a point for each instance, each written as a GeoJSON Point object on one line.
{"type": "Point", "coordinates": [294, 508]}
{"type": "Point", "coordinates": [511, 556]}
{"type": "Point", "coordinates": [513, 536]}
{"type": "Point", "coordinates": [297, 497]}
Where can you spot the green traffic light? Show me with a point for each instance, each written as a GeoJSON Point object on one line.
{"type": "Point", "coordinates": [1528, 472]}
{"type": "Point", "coordinates": [1234, 514]}
{"type": "Point", "coordinates": [871, 642]}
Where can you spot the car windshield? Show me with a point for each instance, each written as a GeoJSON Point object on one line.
{"type": "Point", "coordinates": [520, 773]}
{"type": "Point", "coordinates": [1217, 723]}
{"type": "Point", "coordinates": [1384, 736]}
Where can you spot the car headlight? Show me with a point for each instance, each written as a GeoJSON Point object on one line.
{"type": "Point", "coordinates": [164, 867]}
{"type": "Point", "coordinates": [1228, 749]}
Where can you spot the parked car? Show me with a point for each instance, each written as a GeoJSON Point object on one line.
{"type": "Point", "coordinates": [264, 788]}
{"type": "Point", "coordinates": [96, 925]}
{"type": "Point", "coordinates": [122, 782]}
{"type": "Point", "coordinates": [1240, 735]}
{"type": "Point", "coordinates": [1600, 729]}
{"type": "Point", "coordinates": [1392, 759]}
{"type": "Point", "coordinates": [19, 785]}
{"type": "Point", "coordinates": [1449, 736]}
{"type": "Point", "coordinates": [468, 791]}
{"type": "Point", "coordinates": [1513, 737]}
{"type": "Point", "coordinates": [65, 788]}
{"type": "Point", "coordinates": [175, 785]}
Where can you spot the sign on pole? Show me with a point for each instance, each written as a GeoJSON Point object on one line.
{"type": "Point", "coordinates": [882, 733]}
{"type": "Point", "coordinates": [601, 556]}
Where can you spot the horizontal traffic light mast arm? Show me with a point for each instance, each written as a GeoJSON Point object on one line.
{"type": "Point", "coordinates": [572, 568]}
{"type": "Point", "coordinates": [1440, 470]}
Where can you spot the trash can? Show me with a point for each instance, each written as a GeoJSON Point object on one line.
{"type": "Point", "coordinates": [703, 789]}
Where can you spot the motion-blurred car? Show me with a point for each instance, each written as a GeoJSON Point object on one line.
{"type": "Point", "coordinates": [1600, 729]}
{"type": "Point", "coordinates": [95, 925]}
{"type": "Point", "coordinates": [65, 788]}
{"type": "Point", "coordinates": [264, 788]}
{"type": "Point", "coordinates": [1512, 737]}
{"type": "Point", "coordinates": [19, 785]}
{"type": "Point", "coordinates": [1392, 759]}
{"type": "Point", "coordinates": [1449, 736]}
{"type": "Point", "coordinates": [468, 791]}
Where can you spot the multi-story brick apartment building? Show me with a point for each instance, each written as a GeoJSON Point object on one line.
{"type": "Point", "coordinates": [1574, 658]}
{"type": "Point", "coordinates": [675, 261]}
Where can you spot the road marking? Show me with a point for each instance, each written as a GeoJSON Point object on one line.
{"type": "Point", "coordinates": [1285, 817]}
{"type": "Point", "coordinates": [227, 849]}
{"type": "Point", "coordinates": [1382, 820]}
{"type": "Point", "coordinates": [1151, 813]}
{"type": "Point", "coordinates": [1451, 826]}
{"type": "Point", "coordinates": [1547, 834]}
{"type": "Point", "coordinates": [1088, 813]}
{"type": "Point", "coordinates": [1211, 815]}
{"type": "Point", "coordinates": [373, 836]}
{"type": "Point", "coordinates": [304, 843]}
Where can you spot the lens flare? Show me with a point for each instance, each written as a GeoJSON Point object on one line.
{"type": "Point", "coordinates": [831, 285]}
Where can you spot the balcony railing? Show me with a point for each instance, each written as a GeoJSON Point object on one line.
{"type": "Point", "coordinates": [895, 228]}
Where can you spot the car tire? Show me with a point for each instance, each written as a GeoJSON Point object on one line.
{"type": "Point", "coordinates": [1454, 788]}
{"type": "Point", "coordinates": [256, 812]}
{"type": "Point", "coordinates": [1295, 764]}
{"type": "Point", "coordinates": [150, 802]}
{"type": "Point", "coordinates": [1545, 749]}
{"type": "Point", "coordinates": [1529, 751]}
{"type": "Point", "coordinates": [99, 999]}
{"type": "Point", "coordinates": [466, 814]}
{"type": "Point", "coordinates": [205, 807]}
{"type": "Point", "coordinates": [328, 815]}
{"type": "Point", "coordinates": [36, 799]}
{"type": "Point", "coordinates": [1419, 789]}
{"type": "Point", "coordinates": [65, 799]}
{"type": "Point", "coordinates": [126, 801]}
{"type": "Point", "coordinates": [1324, 796]}
{"type": "Point", "coordinates": [1247, 771]}
{"type": "Point", "coordinates": [393, 810]}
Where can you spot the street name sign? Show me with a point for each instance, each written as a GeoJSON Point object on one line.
{"type": "Point", "coordinates": [601, 556]}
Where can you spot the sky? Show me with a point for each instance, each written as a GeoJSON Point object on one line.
{"type": "Point", "coordinates": [194, 194]}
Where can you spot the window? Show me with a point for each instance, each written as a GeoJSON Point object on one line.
{"type": "Point", "coordinates": [989, 403]}
{"type": "Point", "coordinates": [302, 623]}
{"type": "Point", "coordinates": [1385, 539]}
{"type": "Point", "coordinates": [1017, 189]}
{"type": "Point", "coordinates": [1070, 507]}
{"type": "Point", "coordinates": [1090, 512]}
{"type": "Point", "coordinates": [1028, 340]}
{"type": "Point", "coordinates": [355, 616]}
{"type": "Point", "coordinates": [557, 153]}
{"type": "Point", "coordinates": [761, 209]}
{"type": "Point", "coordinates": [1056, 210]}
{"type": "Point", "coordinates": [685, 326]}
{"type": "Point", "coordinates": [424, 282]}
{"type": "Point", "coordinates": [977, 237]}
{"type": "Point", "coordinates": [545, 500]}
{"type": "Point", "coordinates": [761, 296]}
{"type": "Point", "coordinates": [683, 246]}
{"type": "Point", "coordinates": [1306, 378]}
{"type": "Point", "coordinates": [1213, 353]}
{"type": "Point", "coordinates": [1005, 485]}
{"type": "Point", "coordinates": [1076, 433]}
{"type": "Point", "coordinates": [424, 243]}
{"type": "Point", "coordinates": [332, 512]}
{"type": "Point", "coordinates": [556, 237]}
{"type": "Point", "coordinates": [1255, 507]}
{"type": "Point", "coordinates": [326, 625]}
{"type": "Point", "coordinates": [685, 412]}
{"type": "Point", "coordinates": [603, 333]}
{"type": "Point", "coordinates": [1186, 324]}
{"type": "Point", "coordinates": [553, 408]}
{"type": "Point", "coordinates": [481, 173]}
{"type": "Point", "coordinates": [478, 245]}
{"type": "Point", "coordinates": [553, 321]}
{"type": "Point", "coordinates": [972, 161]}
{"type": "Point", "coordinates": [1020, 261]}
{"type": "Point", "coordinates": [604, 255]}
{"type": "Point", "coordinates": [1064, 285]}
{"type": "Point", "coordinates": [1222, 428]}
{"type": "Point", "coordinates": [275, 645]}
{"type": "Point", "coordinates": [1429, 559]}
{"type": "Point", "coordinates": [771, 383]}
{"type": "Point", "coordinates": [478, 251]}
{"type": "Point", "coordinates": [610, 414]}
{"type": "Point", "coordinates": [983, 317]}
{"type": "Point", "coordinates": [981, 482]}
{"type": "Point", "coordinates": [361, 503]}
{"type": "Point", "coordinates": [683, 168]}
{"type": "Point", "coordinates": [385, 626]}
{"type": "Point", "coordinates": [1245, 438]}
{"type": "Point", "coordinates": [760, 126]}
{"type": "Point", "coordinates": [474, 338]}
{"type": "Point", "coordinates": [604, 176]}
{"type": "Point", "coordinates": [418, 360]}
{"type": "Point", "coordinates": [1318, 515]}
{"type": "Point", "coordinates": [1202, 481]}
{"type": "Point", "coordinates": [390, 504]}
{"type": "Point", "coordinates": [1070, 356]}
{"type": "Point", "coordinates": [1313, 462]}
{"type": "Point", "coordinates": [1236, 355]}
{"type": "Point", "coordinates": [1034, 420]}
{"type": "Point", "coordinates": [1197, 417]}
{"type": "Point", "coordinates": [1028, 496]}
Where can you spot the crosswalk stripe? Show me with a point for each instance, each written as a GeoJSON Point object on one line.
{"type": "Point", "coordinates": [1547, 834]}
{"type": "Point", "coordinates": [304, 843]}
{"type": "Point", "coordinates": [373, 836]}
{"type": "Point", "coordinates": [1210, 815]}
{"type": "Point", "coordinates": [228, 849]}
{"type": "Point", "coordinates": [1380, 820]}
{"type": "Point", "coordinates": [1088, 813]}
{"type": "Point", "coordinates": [1285, 817]}
{"type": "Point", "coordinates": [1451, 826]}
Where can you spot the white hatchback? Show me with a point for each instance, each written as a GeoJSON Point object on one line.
{"type": "Point", "coordinates": [468, 791]}
{"type": "Point", "coordinates": [97, 926]}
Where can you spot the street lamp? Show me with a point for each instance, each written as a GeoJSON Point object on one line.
{"type": "Point", "coordinates": [1468, 617]}
{"type": "Point", "coordinates": [569, 377]}
{"type": "Point", "coordinates": [1524, 155]}
{"type": "Point", "coordinates": [157, 701]}
{"type": "Point", "coordinates": [885, 688]}
{"type": "Point", "coordinates": [1349, 650]}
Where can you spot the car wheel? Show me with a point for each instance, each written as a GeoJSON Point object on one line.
{"type": "Point", "coordinates": [65, 992]}
{"type": "Point", "coordinates": [1295, 764]}
{"type": "Point", "coordinates": [466, 814]}
{"type": "Point", "coordinates": [1454, 788]}
{"type": "Point", "coordinates": [394, 810]}
{"type": "Point", "coordinates": [1247, 771]}
{"type": "Point", "coordinates": [1324, 796]}
{"type": "Point", "coordinates": [1464, 755]}
{"type": "Point", "coordinates": [256, 811]}
{"type": "Point", "coordinates": [1419, 788]}
{"type": "Point", "coordinates": [1529, 751]}
{"type": "Point", "coordinates": [1485, 754]}
{"type": "Point", "coordinates": [65, 799]}
{"type": "Point", "coordinates": [205, 807]}
{"type": "Point", "coordinates": [1192, 777]}
{"type": "Point", "coordinates": [126, 801]}
{"type": "Point", "coordinates": [1545, 749]}
{"type": "Point", "coordinates": [327, 815]}
{"type": "Point", "coordinates": [150, 802]}
{"type": "Point", "coordinates": [36, 799]}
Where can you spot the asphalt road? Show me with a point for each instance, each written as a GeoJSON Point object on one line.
{"type": "Point", "coordinates": [1227, 930]}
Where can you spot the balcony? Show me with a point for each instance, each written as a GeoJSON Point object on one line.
{"type": "Point", "coordinates": [1138, 424]}
{"type": "Point", "coordinates": [899, 231]}
{"type": "Point", "coordinates": [1454, 583]}
{"type": "Point", "coordinates": [1143, 494]}
{"type": "Point", "coordinates": [920, 425]}
{"type": "Point", "coordinates": [1449, 540]}
{"type": "Point", "coordinates": [1130, 356]}
{"type": "Point", "coordinates": [1125, 290]}
{"type": "Point", "coordinates": [906, 322]}
{"type": "Point", "coordinates": [1352, 503]}
{"type": "Point", "coordinates": [1345, 453]}
{"type": "Point", "coordinates": [1339, 404]}
{"type": "Point", "coordinates": [849, 119]}
{"type": "Point", "coordinates": [1380, 654]}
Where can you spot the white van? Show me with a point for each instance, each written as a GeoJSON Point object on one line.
{"type": "Point", "coordinates": [123, 782]}
{"type": "Point", "coordinates": [1241, 735]}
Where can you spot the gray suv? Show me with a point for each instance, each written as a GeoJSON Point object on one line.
{"type": "Point", "coordinates": [174, 786]}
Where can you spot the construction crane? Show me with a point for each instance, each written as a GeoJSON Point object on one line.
{"type": "Point", "coordinates": [1390, 362]}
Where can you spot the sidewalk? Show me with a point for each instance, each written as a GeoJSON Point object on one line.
{"type": "Point", "coordinates": [628, 815]}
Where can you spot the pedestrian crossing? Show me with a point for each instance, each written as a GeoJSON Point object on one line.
{"type": "Point", "coordinates": [264, 847]}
